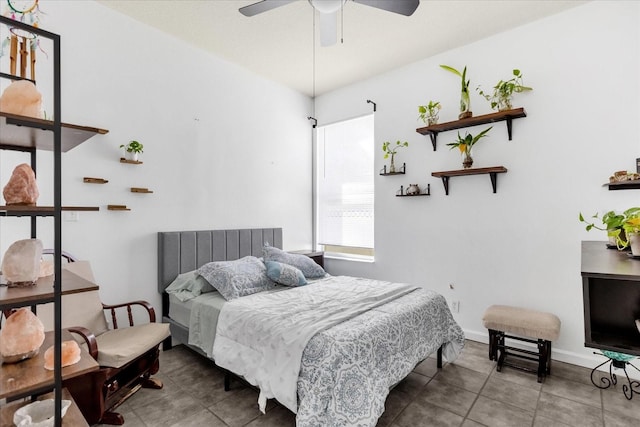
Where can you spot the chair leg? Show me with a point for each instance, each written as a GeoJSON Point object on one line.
{"type": "Point", "coordinates": [112, 418]}
{"type": "Point", "coordinates": [493, 342]}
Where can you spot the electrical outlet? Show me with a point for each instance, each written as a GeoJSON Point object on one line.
{"type": "Point", "coordinates": [72, 216]}
{"type": "Point", "coordinates": [455, 306]}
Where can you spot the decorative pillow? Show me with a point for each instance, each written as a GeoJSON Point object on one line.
{"type": "Point", "coordinates": [188, 286]}
{"type": "Point", "coordinates": [302, 262]}
{"type": "Point", "coordinates": [235, 279]}
{"type": "Point", "coordinates": [285, 274]}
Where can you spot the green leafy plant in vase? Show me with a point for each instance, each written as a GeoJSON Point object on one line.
{"type": "Point", "coordinates": [132, 150]}
{"type": "Point", "coordinates": [429, 112]}
{"type": "Point", "coordinates": [464, 144]}
{"type": "Point", "coordinates": [391, 150]}
{"type": "Point", "coordinates": [465, 100]}
{"type": "Point", "coordinates": [503, 92]}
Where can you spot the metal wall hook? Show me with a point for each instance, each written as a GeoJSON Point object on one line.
{"type": "Point", "coordinates": [374, 104]}
{"type": "Point", "coordinates": [315, 121]}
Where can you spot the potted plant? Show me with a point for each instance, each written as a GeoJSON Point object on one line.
{"type": "Point", "coordinates": [465, 144]}
{"type": "Point", "coordinates": [132, 149]}
{"type": "Point", "coordinates": [390, 150]}
{"type": "Point", "coordinates": [503, 92]}
{"type": "Point", "coordinates": [465, 101]}
{"type": "Point", "coordinates": [612, 222]}
{"type": "Point", "coordinates": [429, 112]}
{"type": "Point", "coordinates": [631, 227]}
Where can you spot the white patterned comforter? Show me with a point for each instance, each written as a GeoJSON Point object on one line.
{"type": "Point", "coordinates": [331, 350]}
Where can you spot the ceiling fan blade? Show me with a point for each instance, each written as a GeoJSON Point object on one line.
{"type": "Point", "coordinates": [262, 6]}
{"type": "Point", "coordinates": [403, 7]}
{"type": "Point", "coordinates": [328, 29]}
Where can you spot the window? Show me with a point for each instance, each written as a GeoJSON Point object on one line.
{"type": "Point", "coordinates": [344, 196]}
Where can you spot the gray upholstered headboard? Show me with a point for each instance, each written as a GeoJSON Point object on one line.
{"type": "Point", "coordinates": [183, 251]}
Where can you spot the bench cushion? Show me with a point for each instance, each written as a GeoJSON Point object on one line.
{"type": "Point", "coordinates": [119, 346]}
{"type": "Point", "coordinates": [522, 321]}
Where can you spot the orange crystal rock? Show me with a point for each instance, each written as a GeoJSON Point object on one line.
{"type": "Point", "coordinates": [21, 336]}
{"type": "Point", "coordinates": [70, 355]}
{"type": "Point", "coordinates": [22, 188]}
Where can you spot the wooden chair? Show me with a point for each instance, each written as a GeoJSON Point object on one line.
{"type": "Point", "coordinates": [127, 356]}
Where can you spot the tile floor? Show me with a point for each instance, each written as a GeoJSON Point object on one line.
{"type": "Point", "coordinates": [468, 392]}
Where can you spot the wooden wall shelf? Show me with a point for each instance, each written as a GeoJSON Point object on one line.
{"type": "Point", "coordinates": [118, 208]}
{"type": "Point", "coordinates": [140, 190]}
{"type": "Point", "coordinates": [23, 210]}
{"type": "Point", "coordinates": [29, 132]}
{"type": "Point", "coordinates": [507, 116]}
{"type": "Point", "coordinates": [426, 192]}
{"type": "Point", "coordinates": [624, 185]}
{"type": "Point", "coordinates": [400, 171]}
{"type": "Point", "coordinates": [492, 171]}
{"type": "Point", "coordinates": [90, 180]}
{"type": "Point", "coordinates": [132, 162]}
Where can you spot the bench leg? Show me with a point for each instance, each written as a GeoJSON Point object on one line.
{"type": "Point", "coordinates": [493, 344]}
{"type": "Point", "coordinates": [544, 351]}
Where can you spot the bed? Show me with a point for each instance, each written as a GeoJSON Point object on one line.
{"type": "Point", "coordinates": [330, 351]}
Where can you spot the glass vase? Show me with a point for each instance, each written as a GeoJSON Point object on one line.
{"type": "Point", "coordinates": [465, 105]}
{"type": "Point", "coordinates": [392, 167]}
{"type": "Point", "coordinates": [467, 160]}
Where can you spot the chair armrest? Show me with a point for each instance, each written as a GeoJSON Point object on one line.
{"type": "Point", "coordinates": [112, 307]}
{"type": "Point", "coordinates": [89, 339]}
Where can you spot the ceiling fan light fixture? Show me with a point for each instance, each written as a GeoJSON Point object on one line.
{"type": "Point", "coordinates": [327, 6]}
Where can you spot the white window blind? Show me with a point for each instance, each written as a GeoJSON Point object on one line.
{"type": "Point", "coordinates": [344, 185]}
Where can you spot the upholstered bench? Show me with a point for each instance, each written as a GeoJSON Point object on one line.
{"type": "Point", "coordinates": [528, 325]}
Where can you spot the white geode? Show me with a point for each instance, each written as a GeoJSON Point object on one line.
{"type": "Point", "coordinates": [21, 262]}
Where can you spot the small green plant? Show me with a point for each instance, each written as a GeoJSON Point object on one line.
{"type": "Point", "coordinates": [465, 144]}
{"type": "Point", "coordinates": [503, 92]}
{"type": "Point", "coordinates": [611, 220]}
{"type": "Point", "coordinates": [429, 112]}
{"type": "Point", "coordinates": [465, 101]}
{"type": "Point", "coordinates": [133, 147]}
{"type": "Point", "coordinates": [390, 150]}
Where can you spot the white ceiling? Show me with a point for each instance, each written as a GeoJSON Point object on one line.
{"type": "Point", "coordinates": [279, 44]}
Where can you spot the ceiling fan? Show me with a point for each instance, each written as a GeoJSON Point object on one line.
{"type": "Point", "coordinates": [328, 10]}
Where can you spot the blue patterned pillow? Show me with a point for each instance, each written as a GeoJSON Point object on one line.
{"type": "Point", "coordinates": [305, 264]}
{"type": "Point", "coordinates": [285, 274]}
{"type": "Point", "coordinates": [235, 279]}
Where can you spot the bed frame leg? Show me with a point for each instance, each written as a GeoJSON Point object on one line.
{"type": "Point", "coordinates": [227, 380]}
{"type": "Point", "coordinates": [439, 362]}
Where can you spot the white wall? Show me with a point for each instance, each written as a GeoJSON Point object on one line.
{"type": "Point", "coordinates": [223, 148]}
{"type": "Point", "coordinates": [520, 246]}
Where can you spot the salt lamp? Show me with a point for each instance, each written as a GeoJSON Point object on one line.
{"type": "Point", "coordinates": [22, 97]}
{"type": "Point", "coordinates": [21, 336]}
{"type": "Point", "coordinates": [21, 262]}
{"type": "Point", "coordinates": [22, 188]}
{"type": "Point", "coordinates": [70, 355]}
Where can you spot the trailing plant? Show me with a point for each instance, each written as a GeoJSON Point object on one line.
{"type": "Point", "coordinates": [503, 92]}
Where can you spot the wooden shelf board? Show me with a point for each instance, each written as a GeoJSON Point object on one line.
{"type": "Point", "coordinates": [623, 185]}
{"type": "Point", "coordinates": [42, 291]}
{"type": "Point", "coordinates": [24, 210]}
{"type": "Point", "coordinates": [28, 132]}
{"type": "Point", "coordinates": [29, 376]}
{"type": "Point", "coordinates": [470, 171]}
{"type": "Point", "coordinates": [473, 121]}
{"type": "Point", "coordinates": [118, 208]}
{"type": "Point", "coordinates": [73, 417]}
{"type": "Point", "coordinates": [90, 180]}
{"type": "Point", "coordinates": [140, 190]}
{"type": "Point", "coordinates": [133, 162]}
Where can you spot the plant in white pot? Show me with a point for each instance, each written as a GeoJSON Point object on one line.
{"type": "Point", "coordinates": [132, 150]}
